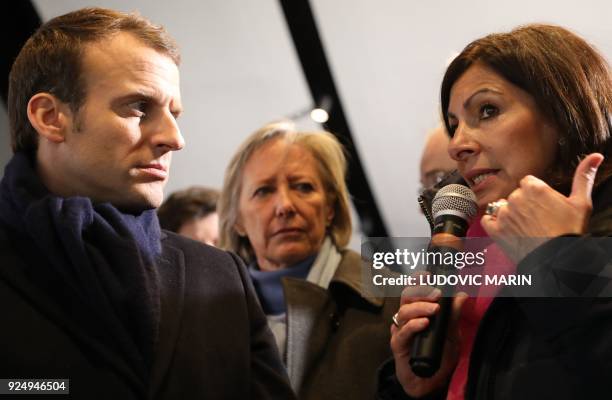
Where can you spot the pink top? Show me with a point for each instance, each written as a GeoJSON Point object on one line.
{"type": "Point", "coordinates": [474, 309]}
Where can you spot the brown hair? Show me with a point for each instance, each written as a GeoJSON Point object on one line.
{"type": "Point", "coordinates": [568, 79]}
{"type": "Point", "coordinates": [185, 205]}
{"type": "Point", "coordinates": [50, 61]}
{"type": "Point", "coordinates": [331, 164]}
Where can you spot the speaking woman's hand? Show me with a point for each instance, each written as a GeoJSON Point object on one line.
{"type": "Point", "coordinates": [535, 212]}
{"type": "Point", "coordinates": [416, 306]}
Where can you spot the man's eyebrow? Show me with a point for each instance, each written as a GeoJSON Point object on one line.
{"type": "Point", "coordinates": [176, 111]}
{"type": "Point", "coordinates": [150, 96]}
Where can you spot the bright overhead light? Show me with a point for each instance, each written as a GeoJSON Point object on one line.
{"type": "Point", "coordinates": [319, 115]}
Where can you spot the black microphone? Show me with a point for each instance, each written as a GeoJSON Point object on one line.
{"type": "Point", "coordinates": [453, 207]}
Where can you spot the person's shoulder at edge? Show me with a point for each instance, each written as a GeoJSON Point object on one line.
{"type": "Point", "coordinates": [201, 259]}
{"type": "Point", "coordinates": [173, 239]}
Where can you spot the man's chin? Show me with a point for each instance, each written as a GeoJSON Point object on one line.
{"type": "Point", "coordinates": [138, 202]}
{"type": "Point", "coordinates": [149, 195]}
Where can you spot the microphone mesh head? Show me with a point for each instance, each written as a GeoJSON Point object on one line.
{"type": "Point", "coordinates": [456, 200]}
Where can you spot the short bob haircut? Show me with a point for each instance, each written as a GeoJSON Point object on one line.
{"type": "Point", "coordinates": [331, 163]}
{"type": "Point", "coordinates": [568, 79]}
{"type": "Point", "coordinates": [51, 61]}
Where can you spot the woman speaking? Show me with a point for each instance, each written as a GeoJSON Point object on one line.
{"type": "Point", "coordinates": [529, 115]}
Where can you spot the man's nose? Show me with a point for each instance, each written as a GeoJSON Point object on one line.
{"type": "Point", "coordinates": [168, 134]}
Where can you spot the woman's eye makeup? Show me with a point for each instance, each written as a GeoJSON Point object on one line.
{"type": "Point", "coordinates": [483, 112]}
{"type": "Point", "coordinates": [487, 111]}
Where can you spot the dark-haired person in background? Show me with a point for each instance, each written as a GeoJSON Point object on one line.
{"type": "Point", "coordinates": [529, 116]}
{"type": "Point", "coordinates": [91, 289]}
{"type": "Point", "coordinates": [192, 212]}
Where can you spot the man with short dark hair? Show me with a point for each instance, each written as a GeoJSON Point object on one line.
{"type": "Point", "coordinates": [192, 212]}
{"type": "Point", "coordinates": [91, 289]}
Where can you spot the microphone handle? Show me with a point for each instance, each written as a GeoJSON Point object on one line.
{"type": "Point", "coordinates": [428, 346]}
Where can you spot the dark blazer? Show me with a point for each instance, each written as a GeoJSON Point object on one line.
{"type": "Point", "coordinates": [213, 343]}
{"type": "Point", "coordinates": [553, 347]}
{"type": "Point", "coordinates": [558, 346]}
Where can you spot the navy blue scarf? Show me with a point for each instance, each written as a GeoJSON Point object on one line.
{"type": "Point", "coordinates": [269, 285]}
{"type": "Point", "coordinates": [97, 262]}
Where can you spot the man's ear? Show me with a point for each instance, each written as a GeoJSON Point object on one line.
{"type": "Point", "coordinates": [49, 116]}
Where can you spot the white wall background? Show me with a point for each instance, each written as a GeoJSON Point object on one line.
{"type": "Point", "coordinates": [388, 56]}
